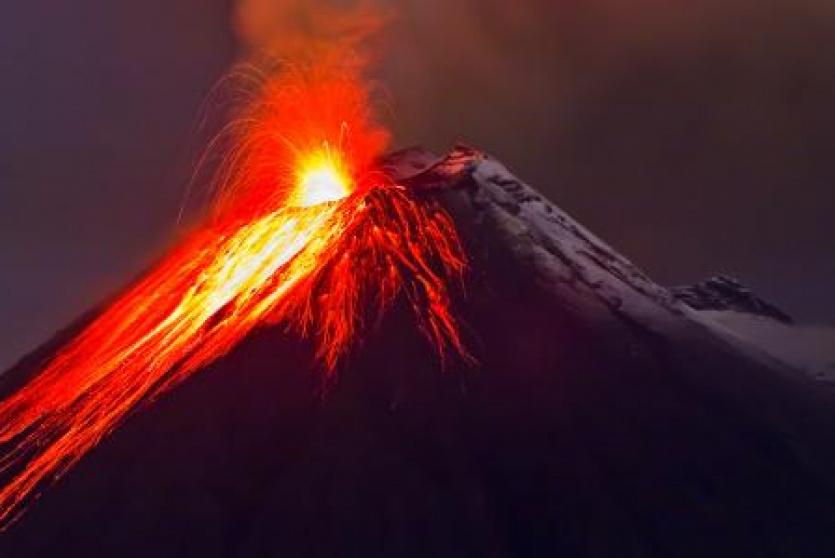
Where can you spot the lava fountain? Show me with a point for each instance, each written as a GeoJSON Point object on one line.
{"type": "Point", "coordinates": [303, 231]}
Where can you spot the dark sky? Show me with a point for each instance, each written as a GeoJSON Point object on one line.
{"type": "Point", "coordinates": [695, 136]}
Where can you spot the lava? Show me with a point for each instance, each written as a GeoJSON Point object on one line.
{"type": "Point", "coordinates": [303, 232]}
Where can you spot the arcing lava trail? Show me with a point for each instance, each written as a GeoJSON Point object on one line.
{"type": "Point", "coordinates": [304, 232]}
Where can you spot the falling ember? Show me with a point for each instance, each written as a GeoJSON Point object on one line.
{"type": "Point", "coordinates": [303, 232]}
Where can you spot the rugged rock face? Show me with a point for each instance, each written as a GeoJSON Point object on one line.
{"type": "Point", "coordinates": [605, 417]}
{"type": "Point", "coordinates": [728, 294]}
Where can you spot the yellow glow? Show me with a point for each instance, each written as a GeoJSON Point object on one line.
{"type": "Point", "coordinates": [321, 179]}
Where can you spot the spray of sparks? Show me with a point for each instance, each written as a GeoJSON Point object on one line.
{"type": "Point", "coordinates": [303, 232]}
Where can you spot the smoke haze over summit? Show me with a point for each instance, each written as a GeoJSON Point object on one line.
{"type": "Point", "coordinates": [694, 136]}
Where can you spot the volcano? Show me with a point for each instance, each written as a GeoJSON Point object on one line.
{"type": "Point", "coordinates": [601, 414]}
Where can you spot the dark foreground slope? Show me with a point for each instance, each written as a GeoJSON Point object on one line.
{"type": "Point", "coordinates": [605, 418]}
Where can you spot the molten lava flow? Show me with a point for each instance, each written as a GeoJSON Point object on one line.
{"type": "Point", "coordinates": [304, 232]}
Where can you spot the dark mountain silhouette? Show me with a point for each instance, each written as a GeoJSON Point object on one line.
{"type": "Point", "coordinates": [605, 417]}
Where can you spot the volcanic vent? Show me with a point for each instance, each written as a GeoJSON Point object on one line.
{"type": "Point", "coordinates": [598, 416]}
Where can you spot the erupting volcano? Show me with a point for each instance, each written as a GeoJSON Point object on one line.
{"type": "Point", "coordinates": [305, 232]}
{"type": "Point", "coordinates": [500, 381]}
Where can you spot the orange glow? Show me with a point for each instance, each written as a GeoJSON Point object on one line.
{"type": "Point", "coordinates": [304, 232]}
{"type": "Point", "coordinates": [321, 179]}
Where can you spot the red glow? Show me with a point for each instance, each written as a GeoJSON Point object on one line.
{"type": "Point", "coordinates": [303, 232]}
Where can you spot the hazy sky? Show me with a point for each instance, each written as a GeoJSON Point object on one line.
{"type": "Point", "coordinates": [695, 136]}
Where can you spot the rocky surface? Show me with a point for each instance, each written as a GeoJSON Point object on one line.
{"type": "Point", "coordinates": [727, 294]}
{"type": "Point", "coordinates": [605, 417]}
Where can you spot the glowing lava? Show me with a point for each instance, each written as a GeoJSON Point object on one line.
{"type": "Point", "coordinates": [321, 180]}
{"type": "Point", "coordinates": [303, 232]}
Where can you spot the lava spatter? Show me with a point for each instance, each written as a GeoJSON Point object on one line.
{"type": "Point", "coordinates": [303, 232]}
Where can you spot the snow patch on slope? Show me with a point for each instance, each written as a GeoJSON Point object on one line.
{"type": "Point", "coordinates": [566, 254]}
{"type": "Point", "coordinates": [807, 348]}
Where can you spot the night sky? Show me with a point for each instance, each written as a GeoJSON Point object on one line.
{"type": "Point", "coordinates": [694, 136]}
